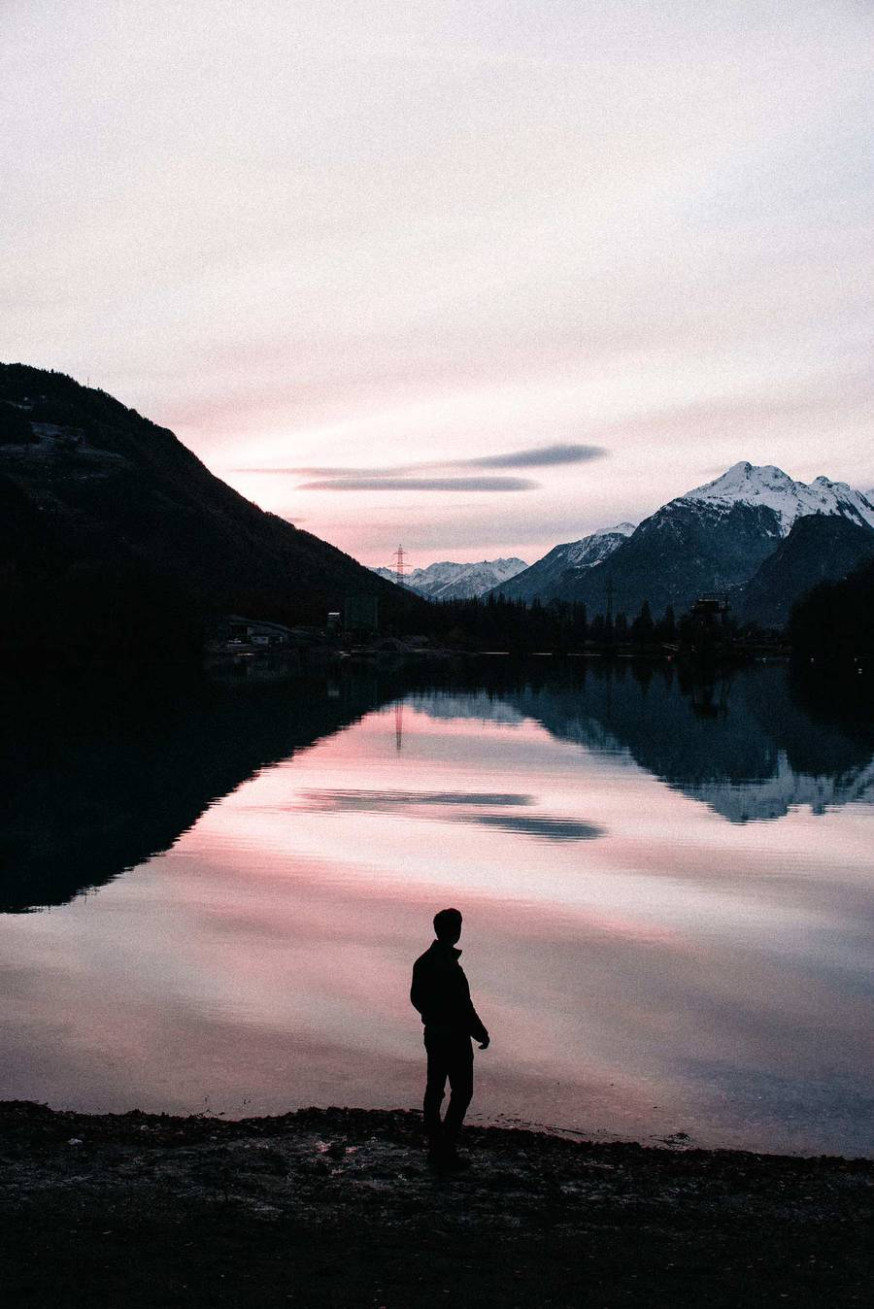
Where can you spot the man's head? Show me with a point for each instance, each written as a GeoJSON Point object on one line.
{"type": "Point", "coordinates": [447, 926]}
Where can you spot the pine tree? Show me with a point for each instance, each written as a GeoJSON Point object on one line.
{"type": "Point", "coordinates": [642, 629]}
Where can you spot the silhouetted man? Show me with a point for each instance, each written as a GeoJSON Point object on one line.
{"type": "Point", "coordinates": [442, 996]}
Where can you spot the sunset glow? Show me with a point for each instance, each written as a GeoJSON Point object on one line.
{"type": "Point", "coordinates": [368, 236]}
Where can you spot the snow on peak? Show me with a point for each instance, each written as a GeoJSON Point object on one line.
{"type": "Point", "coordinates": [596, 547]}
{"type": "Point", "coordinates": [745, 483]}
{"type": "Point", "coordinates": [451, 581]}
{"type": "Point", "coordinates": [621, 529]}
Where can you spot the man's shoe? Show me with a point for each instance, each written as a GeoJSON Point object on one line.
{"type": "Point", "coordinates": [447, 1161]}
{"type": "Point", "coordinates": [455, 1163]}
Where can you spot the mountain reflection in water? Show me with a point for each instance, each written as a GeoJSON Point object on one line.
{"type": "Point", "coordinates": [95, 779]}
{"type": "Point", "coordinates": [743, 744]}
{"type": "Point", "coordinates": [263, 862]}
{"type": "Point", "coordinates": [92, 784]}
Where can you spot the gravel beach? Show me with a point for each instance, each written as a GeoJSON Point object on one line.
{"type": "Point", "coordinates": [338, 1207]}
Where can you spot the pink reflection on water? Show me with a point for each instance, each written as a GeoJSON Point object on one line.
{"type": "Point", "coordinates": [634, 982]}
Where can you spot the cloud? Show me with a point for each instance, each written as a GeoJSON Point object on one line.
{"type": "Point", "coordinates": [421, 484]}
{"type": "Point", "coordinates": [547, 456]}
{"type": "Point", "coordinates": [400, 477]}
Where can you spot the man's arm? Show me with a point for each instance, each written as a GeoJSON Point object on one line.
{"type": "Point", "coordinates": [476, 1027]}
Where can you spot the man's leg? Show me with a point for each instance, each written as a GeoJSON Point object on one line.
{"type": "Point", "coordinates": [461, 1084]}
{"type": "Point", "coordinates": [435, 1086]}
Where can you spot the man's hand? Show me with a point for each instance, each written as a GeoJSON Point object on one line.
{"type": "Point", "coordinates": [484, 1045]}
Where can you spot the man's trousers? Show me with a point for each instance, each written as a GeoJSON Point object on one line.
{"type": "Point", "coordinates": [450, 1055]}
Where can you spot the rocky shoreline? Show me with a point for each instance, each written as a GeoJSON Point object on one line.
{"type": "Point", "coordinates": [337, 1207]}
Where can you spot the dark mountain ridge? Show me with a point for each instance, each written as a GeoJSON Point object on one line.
{"type": "Point", "coordinates": [833, 624]}
{"type": "Point", "coordinates": [679, 553]}
{"type": "Point", "coordinates": [819, 548]}
{"type": "Point", "coordinates": [88, 484]}
{"type": "Point", "coordinates": [553, 576]}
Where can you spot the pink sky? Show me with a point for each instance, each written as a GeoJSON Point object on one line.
{"type": "Point", "coordinates": [424, 232]}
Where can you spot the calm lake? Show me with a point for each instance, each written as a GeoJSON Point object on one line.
{"type": "Point", "coordinates": [212, 897]}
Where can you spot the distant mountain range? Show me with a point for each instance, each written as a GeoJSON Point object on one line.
{"type": "Point", "coordinates": [90, 489]}
{"type": "Point", "coordinates": [448, 581]}
{"type": "Point", "coordinates": [555, 574]}
{"type": "Point", "coordinates": [715, 538]}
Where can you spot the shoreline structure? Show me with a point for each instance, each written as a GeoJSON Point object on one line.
{"type": "Point", "coordinates": [337, 1207]}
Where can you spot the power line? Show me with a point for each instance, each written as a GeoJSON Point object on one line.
{"type": "Point", "coordinates": [399, 565]}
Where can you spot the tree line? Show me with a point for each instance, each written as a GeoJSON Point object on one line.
{"type": "Point", "coordinates": [502, 623]}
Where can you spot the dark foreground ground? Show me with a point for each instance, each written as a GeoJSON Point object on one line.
{"type": "Point", "coordinates": [336, 1207]}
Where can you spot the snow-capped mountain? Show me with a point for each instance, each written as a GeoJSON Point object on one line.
{"type": "Point", "coordinates": [449, 581]}
{"type": "Point", "coordinates": [713, 538]}
{"type": "Point", "coordinates": [594, 549]}
{"type": "Point", "coordinates": [790, 500]}
{"type": "Point", "coordinates": [564, 564]}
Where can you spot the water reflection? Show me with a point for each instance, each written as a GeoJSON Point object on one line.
{"type": "Point", "coordinates": [644, 965]}
{"type": "Point", "coordinates": [456, 804]}
{"type": "Point", "coordinates": [745, 745]}
{"type": "Point", "coordinates": [384, 801]}
{"type": "Point", "coordinates": [546, 829]}
{"type": "Point", "coordinates": [93, 784]}
{"type": "Point", "coordinates": [95, 779]}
